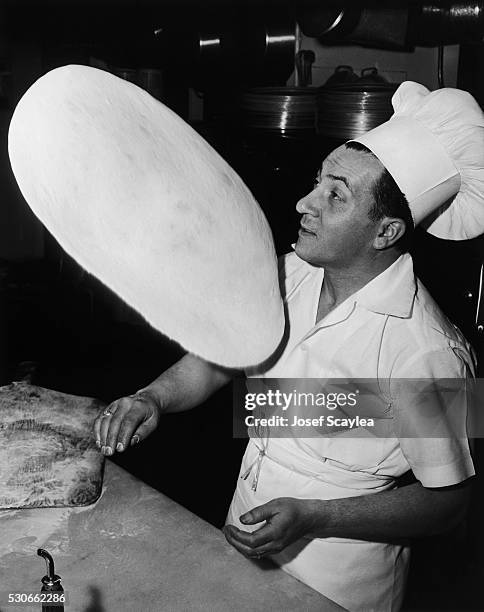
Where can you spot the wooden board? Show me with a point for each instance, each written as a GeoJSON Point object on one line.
{"type": "Point", "coordinates": [48, 457]}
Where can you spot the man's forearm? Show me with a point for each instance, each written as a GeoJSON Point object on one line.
{"type": "Point", "coordinates": [408, 512]}
{"type": "Point", "coordinates": [189, 382]}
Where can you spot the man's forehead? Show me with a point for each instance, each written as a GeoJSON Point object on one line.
{"type": "Point", "coordinates": [351, 164]}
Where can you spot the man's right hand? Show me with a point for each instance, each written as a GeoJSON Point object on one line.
{"type": "Point", "coordinates": [127, 421]}
{"type": "Point", "coordinates": [186, 384]}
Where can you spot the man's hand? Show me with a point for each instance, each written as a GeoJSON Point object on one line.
{"type": "Point", "coordinates": [286, 520]}
{"type": "Point", "coordinates": [394, 516]}
{"type": "Point", "coordinates": [126, 421]}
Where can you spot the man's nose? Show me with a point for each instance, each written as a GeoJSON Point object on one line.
{"type": "Point", "coordinates": [306, 206]}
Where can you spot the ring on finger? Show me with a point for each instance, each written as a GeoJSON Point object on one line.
{"type": "Point", "coordinates": [109, 410]}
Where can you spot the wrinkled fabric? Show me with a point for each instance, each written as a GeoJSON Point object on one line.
{"type": "Point", "coordinates": [435, 139]}
{"type": "Point", "coordinates": [391, 329]}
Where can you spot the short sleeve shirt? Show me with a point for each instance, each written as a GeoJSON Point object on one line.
{"type": "Point", "coordinates": [391, 329]}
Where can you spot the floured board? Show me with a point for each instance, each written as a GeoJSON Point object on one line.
{"type": "Point", "coordinates": [143, 202]}
{"type": "Point", "coordinates": [47, 452]}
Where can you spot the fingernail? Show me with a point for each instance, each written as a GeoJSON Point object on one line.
{"type": "Point", "coordinates": [103, 449]}
{"type": "Point", "coordinates": [109, 450]}
{"type": "Point", "coordinates": [119, 447]}
{"type": "Point", "coordinates": [98, 443]}
{"type": "Point", "coordinates": [135, 439]}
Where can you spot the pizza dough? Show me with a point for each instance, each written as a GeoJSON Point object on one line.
{"type": "Point", "coordinates": [47, 452]}
{"type": "Point", "coordinates": [139, 199]}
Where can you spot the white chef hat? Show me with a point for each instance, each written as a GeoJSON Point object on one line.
{"type": "Point", "coordinates": [433, 146]}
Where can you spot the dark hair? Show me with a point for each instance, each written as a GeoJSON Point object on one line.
{"type": "Point", "coordinates": [389, 200]}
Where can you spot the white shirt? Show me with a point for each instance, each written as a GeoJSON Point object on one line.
{"type": "Point", "coordinates": [390, 329]}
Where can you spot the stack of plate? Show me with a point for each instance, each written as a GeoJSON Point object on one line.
{"type": "Point", "coordinates": [285, 111]}
{"type": "Point", "coordinates": [349, 110]}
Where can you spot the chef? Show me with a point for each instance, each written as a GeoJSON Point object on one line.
{"type": "Point", "coordinates": [327, 509]}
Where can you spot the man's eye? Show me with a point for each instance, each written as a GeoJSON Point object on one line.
{"type": "Point", "coordinates": [335, 195]}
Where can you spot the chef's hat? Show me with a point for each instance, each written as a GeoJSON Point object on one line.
{"type": "Point", "coordinates": [433, 146]}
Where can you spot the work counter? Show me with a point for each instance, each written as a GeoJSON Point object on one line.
{"type": "Point", "coordinates": [135, 549]}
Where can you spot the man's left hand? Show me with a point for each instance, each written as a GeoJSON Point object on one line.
{"type": "Point", "coordinates": [286, 520]}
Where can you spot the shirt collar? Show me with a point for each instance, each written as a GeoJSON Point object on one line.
{"type": "Point", "coordinates": [393, 291]}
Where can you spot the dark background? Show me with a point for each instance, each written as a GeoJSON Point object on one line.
{"type": "Point", "coordinates": [66, 331]}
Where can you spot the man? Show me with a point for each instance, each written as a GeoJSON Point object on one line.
{"type": "Point", "coordinates": [327, 508]}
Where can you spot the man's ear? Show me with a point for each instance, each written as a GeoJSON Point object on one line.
{"type": "Point", "coordinates": [389, 231]}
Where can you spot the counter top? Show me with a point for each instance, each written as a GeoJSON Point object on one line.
{"type": "Point", "coordinates": [136, 549]}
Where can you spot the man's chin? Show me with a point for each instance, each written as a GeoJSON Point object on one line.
{"type": "Point", "coordinates": [302, 251]}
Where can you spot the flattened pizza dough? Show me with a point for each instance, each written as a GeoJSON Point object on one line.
{"type": "Point", "coordinates": [140, 200]}
{"type": "Point", "coordinates": [48, 457]}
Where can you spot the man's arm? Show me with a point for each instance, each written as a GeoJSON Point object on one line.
{"type": "Point", "coordinates": [390, 516]}
{"type": "Point", "coordinates": [189, 382]}
{"type": "Point", "coordinates": [413, 511]}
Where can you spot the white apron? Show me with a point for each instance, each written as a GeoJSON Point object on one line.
{"type": "Point", "coordinates": [358, 575]}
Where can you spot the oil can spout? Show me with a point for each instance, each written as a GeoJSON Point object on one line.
{"type": "Point", "coordinates": [51, 586]}
{"type": "Point", "coordinates": [48, 561]}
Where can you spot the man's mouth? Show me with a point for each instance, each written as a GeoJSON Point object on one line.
{"type": "Point", "coordinates": [304, 230]}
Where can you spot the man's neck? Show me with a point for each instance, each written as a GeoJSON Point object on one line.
{"type": "Point", "coordinates": [340, 283]}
